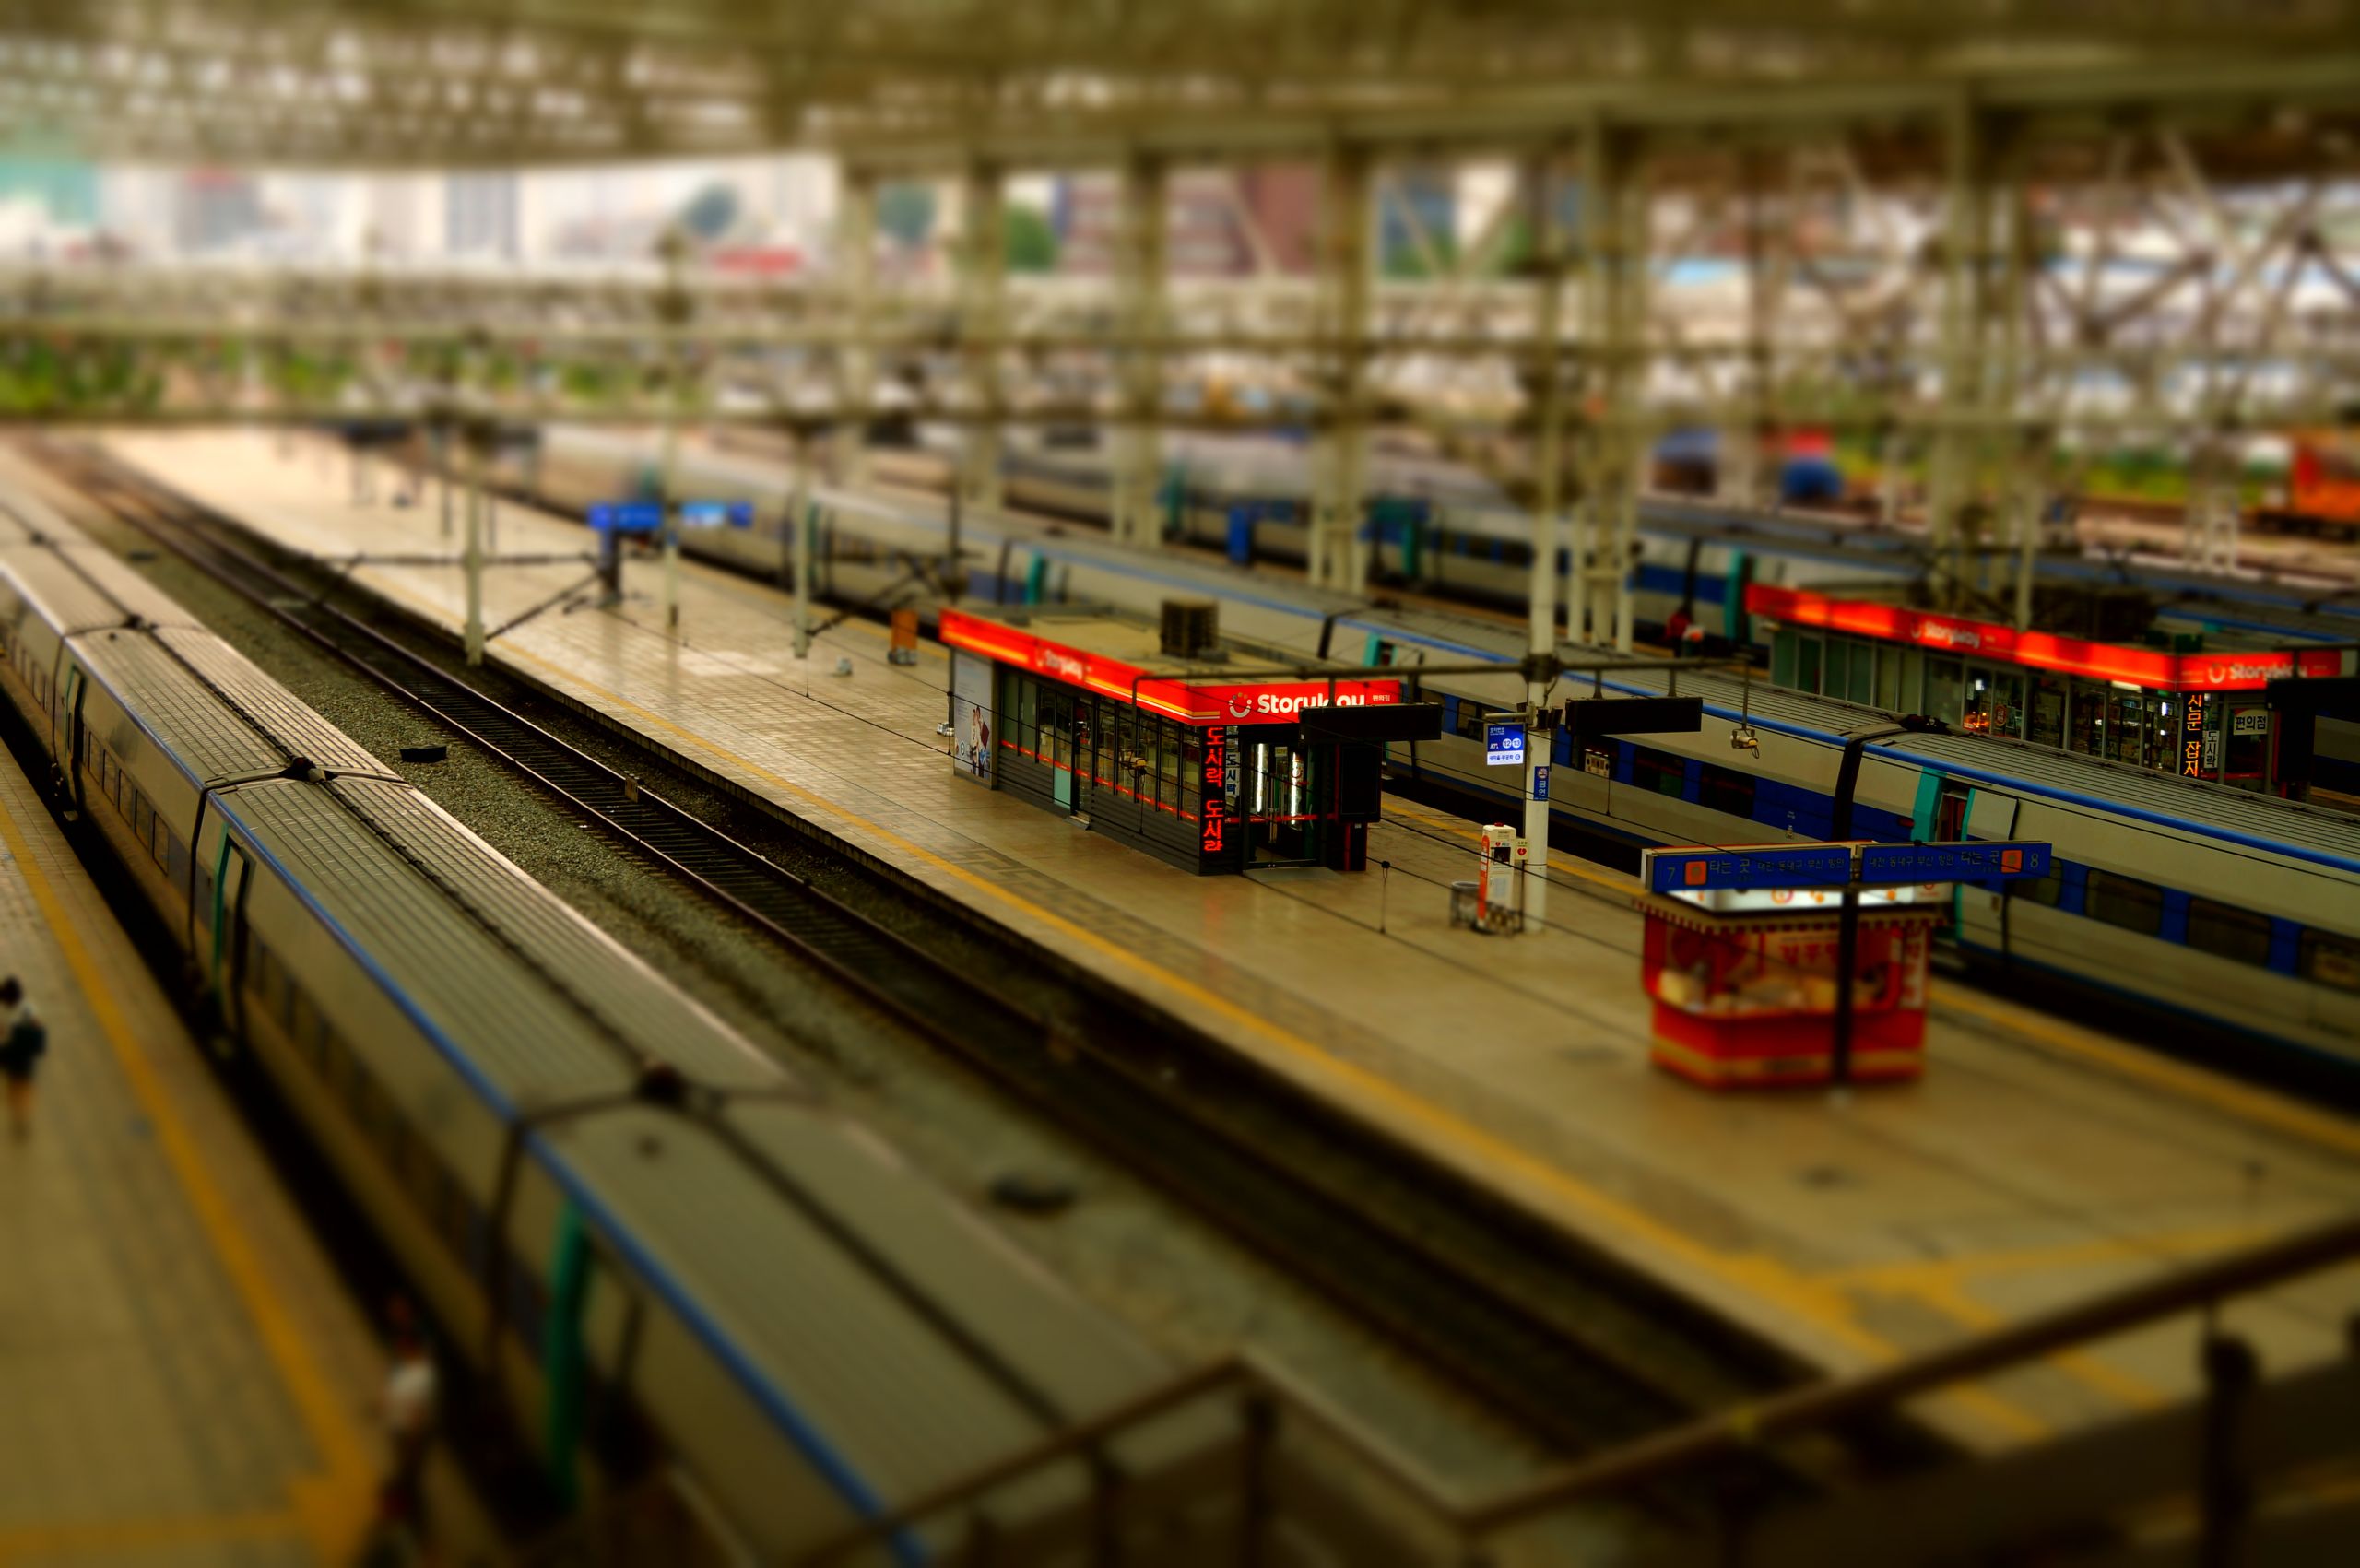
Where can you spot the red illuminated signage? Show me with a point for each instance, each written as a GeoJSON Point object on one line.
{"type": "Point", "coordinates": [2192, 736]}
{"type": "Point", "coordinates": [1277, 702]}
{"type": "Point", "coordinates": [1215, 821]}
{"type": "Point", "coordinates": [2149, 667]}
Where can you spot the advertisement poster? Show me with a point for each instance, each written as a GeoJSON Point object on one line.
{"type": "Point", "coordinates": [971, 717]}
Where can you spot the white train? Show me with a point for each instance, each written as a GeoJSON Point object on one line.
{"type": "Point", "coordinates": [655, 1244]}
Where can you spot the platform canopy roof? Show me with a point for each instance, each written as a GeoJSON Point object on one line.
{"type": "Point", "coordinates": [455, 83]}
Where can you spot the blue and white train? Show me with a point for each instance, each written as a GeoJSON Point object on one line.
{"type": "Point", "coordinates": [662, 1251]}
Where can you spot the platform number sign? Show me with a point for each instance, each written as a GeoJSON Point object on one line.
{"type": "Point", "coordinates": [1540, 784]}
{"type": "Point", "coordinates": [1503, 746]}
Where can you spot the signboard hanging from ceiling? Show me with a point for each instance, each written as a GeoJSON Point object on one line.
{"type": "Point", "coordinates": [1591, 717]}
{"type": "Point", "coordinates": [1504, 744]}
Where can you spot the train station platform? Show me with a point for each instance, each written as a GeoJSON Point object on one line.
{"type": "Point", "coordinates": [183, 1379]}
{"type": "Point", "coordinates": [2037, 1162]}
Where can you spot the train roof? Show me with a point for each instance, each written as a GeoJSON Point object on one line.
{"type": "Point", "coordinates": [519, 920]}
{"type": "Point", "coordinates": [852, 1292]}
{"type": "Point", "coordinates": [266, 705]}
{"type": "Point", "coordinates": [64, 597]}
{"type": "Point", "coordinates": [173, 707]}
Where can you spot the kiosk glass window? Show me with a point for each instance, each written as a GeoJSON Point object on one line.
{"type": "Point", "coordinates": [1862, 686]}
{"type": "Point", "coordinates": [1192, 771]}
{"type": "Point", "coordinates": [2086, 725]}
{"type": "Point", "coordinates": [1946, 690]}
{"type": "Point", "coordinates": [1836, 675]}
{"type": "Point", "coordinates": [2126, 724]}
{"type": "Point", "coordinates": [1888, 663]}
{"type": "Point", "coordinates": [2045, 722]}
{"type": "Point", "coordinates": [1807, 656]}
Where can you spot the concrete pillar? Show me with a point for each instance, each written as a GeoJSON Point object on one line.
{"type": "Point", "coordinates": [472, 557]}
{"type": "Point", "coordinates": [856, 264]}
{"type": "Point", "coordinates": [799, 524]}
{"type": "Point", "coordinates": [1547, 535]}
{"type": "Point", "coordinates": [1613, 265]}
{"type": "Point", "coordinates": [1338, 556]}
{"type": "Point", "coordinates": [1140, 267]}
{"type": "Point", "coordinates": [983, 286]}
{"type": "Point", "coordinates": [1951, 476]}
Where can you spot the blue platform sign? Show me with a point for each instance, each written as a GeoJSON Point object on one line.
{"type": "Point", "coordinates": [1776, 866]}
{"type": "Point", "coordinates": [1884, 864]}
{"type": "Point", "coordinates": [716, 515]}
{"type": "Point", "coordinates": [1503, 746]}
{"type": "Point", "coordinates": [1540, 784]}
{"type": "Point", "coordinates": [626, 516]}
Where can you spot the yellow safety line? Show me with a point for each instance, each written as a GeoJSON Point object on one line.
{"type": "Point", "coordinates": [334, 1507]}
{"type": "Point", "coordinates": [38, 1543]}
{"type": "Point", "coordinates": [2257, 1105]}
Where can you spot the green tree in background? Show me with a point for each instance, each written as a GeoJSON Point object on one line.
{"type": "Point", "coordinates": [1032, 243]}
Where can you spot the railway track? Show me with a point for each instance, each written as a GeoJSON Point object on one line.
{"type": "Point", "coordinates": [1567, 1346]}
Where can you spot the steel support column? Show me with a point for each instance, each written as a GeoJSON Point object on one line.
{"type": "Point", "coordinates": [1547, 384]}
{"type": "Point", "coordinates": [1614, 231]}
{"type": "Point", "coordinates": [982, 284]}
{"type": "Point", "coordinates": [1339, 555]}
{"type": "Point", "coordinates": [1951, 533]}
{"type": "Point", "coordinates": [1139, 272]}
{"type": "Point", "coordinates": [856, 264]}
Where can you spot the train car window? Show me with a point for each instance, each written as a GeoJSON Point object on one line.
{"type": "Point", "coordinates": [2049, 891]}
{"type": "Point", "coordinates": [2126, 902]}
{"type": "Point", "coordinates": [2329, 960]}
{"type": "Point", "coordinates": [1725, 790]}
{"type": "Point", "coordinates": [2227, 931]}
{"type": "Point", "coordinates": [1659, 771]}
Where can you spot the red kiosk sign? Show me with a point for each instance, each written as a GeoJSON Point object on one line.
{"type": "Point", "coordinates": [2245, 670]}
{"type": "Point", "coordinates": [1275, 702]}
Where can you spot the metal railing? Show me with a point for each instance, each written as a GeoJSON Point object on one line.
{"type": "Point", "coordinates": [1269, 1401]}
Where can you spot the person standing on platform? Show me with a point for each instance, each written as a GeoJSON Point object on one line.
{"type": "Point", "coordinates": [408, 1407]}
{"type": "Point", "coordinates": [1675, 626]}
{"type": "Point", "coordinates": [23, 1039]}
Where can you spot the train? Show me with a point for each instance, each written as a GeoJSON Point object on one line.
{"type": "Point", "coordinates": [2175, 902]}
{"type": "Point", "coordinates": [658, 1249]}
{"type": "Point", "coordinates": [1440, 531]}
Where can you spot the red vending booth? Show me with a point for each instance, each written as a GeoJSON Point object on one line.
{"type": "Point", "coordinates": [1744, 959]}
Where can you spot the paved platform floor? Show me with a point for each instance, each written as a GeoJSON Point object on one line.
{"type": "Point", "coordinates": [182, 1380]}
{"type": "Point", "coordinates": [2038, 1162]}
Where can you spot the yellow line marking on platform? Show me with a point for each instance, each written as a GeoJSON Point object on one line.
{"type": "Point", "coordinates": [2260, 1105]}
{"type": "Point", "coordinates": [333, 1506]}
{"type": "Point", "coordinates": [1755, 1274]}
{"type": "Point", "coordinates": [31, 1543]}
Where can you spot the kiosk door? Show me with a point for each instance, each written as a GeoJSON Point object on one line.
{"type": "Point", "coordinates": [1283, 811]}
